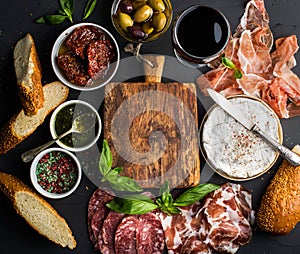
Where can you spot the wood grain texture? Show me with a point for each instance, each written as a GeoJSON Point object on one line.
{"type": "Point", "coordinates": [138, 117]}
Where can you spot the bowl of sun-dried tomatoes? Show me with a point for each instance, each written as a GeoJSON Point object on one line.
{"type": "Point", "coordinates": [85, 56]}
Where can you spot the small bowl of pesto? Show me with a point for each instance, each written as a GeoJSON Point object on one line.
{"type": "Point", "coordinates": [62, 120]}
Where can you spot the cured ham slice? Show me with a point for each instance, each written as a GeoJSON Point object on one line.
{"type": "Point", "coordinates": [181, 231]}
{"type": "Point", "coordinates": [281, 57]}
{"type": "Point", "coordinates": [266, 75]}
{"type": "Point", "coordinates": [221, 223]}
{"type": "Point", "coordinates": [226, 218]}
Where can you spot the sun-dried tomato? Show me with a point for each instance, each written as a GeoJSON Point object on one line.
{"type": "Point", "coordinates": [99, 54]}
{"type": "Point", "coordinates": [73, 69]}
{"type": "Point", "coordinates": [81, 37]}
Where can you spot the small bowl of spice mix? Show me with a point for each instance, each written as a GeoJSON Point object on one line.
{"type": "Point", "coordinates": [62, 119]}
{"type": "Point", "coordinates": [55, 173]}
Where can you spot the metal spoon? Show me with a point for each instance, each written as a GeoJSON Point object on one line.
{"type": "Point", "coordinates": [81, 124]}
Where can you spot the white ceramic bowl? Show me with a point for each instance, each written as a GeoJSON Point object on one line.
{"type": "Point", "coordinates": [100, 82]}
{"type": "Point", "coordinates": [78, 104]}
{"type": "Point", "coordinates": [34, 178]}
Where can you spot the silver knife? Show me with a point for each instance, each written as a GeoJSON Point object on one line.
{"type": "Point", "coordinates": [235, 112]}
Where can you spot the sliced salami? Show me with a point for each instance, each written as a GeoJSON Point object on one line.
{"type": "Point", "coordinates": [97, 211]}
{"type": "Point", "coordinates": [125, 237]}
{"type": "Point", "coordinates": [150, 234]}
{"type": "Point", "coordinates": [109, 228]}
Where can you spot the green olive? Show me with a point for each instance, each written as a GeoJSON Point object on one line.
{"type": "Point", "coordinates": [157, 5]}
{"type": "Point", "coordinates": [159, 21]}
{"type": "Point", "coordinates": [138, 4]}
{"type": "Point", "coordinates": [143, 14]}
{"type": "Point", "coordinates": [148, 28]}
{"type": "Point", "coordinates": [124, 20]}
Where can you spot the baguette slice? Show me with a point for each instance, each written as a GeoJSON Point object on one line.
{"type": "Point", "coordinates": [21, 125]}
{"type": "Point", "coordinates": [279, 210]}
{"type": "Point", "coordinates": [29, 75]}
{"type": "Point", "coordinates": [36, 211]}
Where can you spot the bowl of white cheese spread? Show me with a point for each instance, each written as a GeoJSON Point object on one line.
{"type": "Point", "coordinates": [233, 151]}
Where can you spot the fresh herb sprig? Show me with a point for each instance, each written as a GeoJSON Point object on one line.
{"type": "Point", "coordinates": [66, 11]}
{"type": "Point", "coordinates": [112, 175]}
{"type": "Point", "coordinates": [140, 203]}
{"type": "Point", "coordinates": [230, 65]}
{"type": "Point", "coordinates": [89, 8]}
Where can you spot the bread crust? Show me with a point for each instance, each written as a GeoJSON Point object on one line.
{"type": "Point", "coordinates": [10, 185]}
{"type": "Point", "coordinates": [8, 136]}
{"type": "Point", "coordinates": [279, 210]}
{"type": "Point", "coordinates": [29, 75]}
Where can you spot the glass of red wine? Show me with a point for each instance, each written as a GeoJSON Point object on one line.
{"type": "Point", "coordinates": [199, 35]}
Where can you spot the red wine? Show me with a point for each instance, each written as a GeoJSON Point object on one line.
{"type": "Point", "coordinates": [200, 32]}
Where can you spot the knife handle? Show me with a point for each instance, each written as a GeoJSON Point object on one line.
{"type": "Point", "coordinates": [285, 152]}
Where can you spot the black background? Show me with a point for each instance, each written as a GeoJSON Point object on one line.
{"type": "Point", "coordinates": [16, 19]}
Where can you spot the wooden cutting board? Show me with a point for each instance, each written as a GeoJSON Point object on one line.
{"type": "Point", "coordinates": [151, 128]}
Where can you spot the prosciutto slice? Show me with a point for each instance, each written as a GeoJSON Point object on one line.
{"type": "Point", "coordinates": [181, 231]}
{"type": "Point", "coordinates": [221, 223]}
{"type": "Point", "coordinates": [266, 75]}
{"type": "Point", "coordinates": [227, 218]}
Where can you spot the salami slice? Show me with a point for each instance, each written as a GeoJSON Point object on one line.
{"type": "Point", "coordinates": [125, 236]}
{"type": "Point", "coordinates": [150, 234]}
{"type": "Point", "coordinates": [97, 211]}
{"type": "Point", "coordinates": [109, 228]}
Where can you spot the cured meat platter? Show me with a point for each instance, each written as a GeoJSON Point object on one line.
{"type": "Point", "coordinates": [17, 19]}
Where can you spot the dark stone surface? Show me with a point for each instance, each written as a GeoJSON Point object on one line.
{"type": "Point", "coordinates": [17, 19]}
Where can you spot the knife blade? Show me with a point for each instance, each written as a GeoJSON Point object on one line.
{"type": "Point", "coordinates": [238, 115]}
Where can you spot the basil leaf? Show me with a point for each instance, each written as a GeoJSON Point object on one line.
{"type": "Point", "coordinates": [165, 194]}
{"type": "Point", "coordinates": [62, 12]}
{"type": "Point", "coordinates": [118, 169]}
{"type": "Point", "coordinates": [51, 19]}
{"type": "Point", "coordinates": [194, 194]}
{"type": "Point", "coordinates": [41, 20]}
{"type": "Point", "coordinates": [167, 209]}
{"type": "Point", "coordinates": [237, 74]}
{"type": "Point", "coordinates": [131, 206]}
{"type": "Point", "coordinates": [105, 162]}
{"type": "Point", "coordinates": [164, 188]}
{"type": "Point", "coordinates": [89, 8]}
{"type": "Point", "coordinates": [68, 8]}
{"type": "Point", "coordinates": [228, 63]}
{"type": "Point", "coordinates": [122, 183]}
{"type": "Point", "coordinates": [142, 197]}
{"type": "Point", "coordinates": [173, 209]}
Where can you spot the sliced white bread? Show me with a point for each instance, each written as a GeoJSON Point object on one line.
{"type": "Point", "coordinates": [36, 211]}
{"type": "Point", "coordinates": [21, 125]}
{"type": "Point", "coordinates": [29, 74]}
